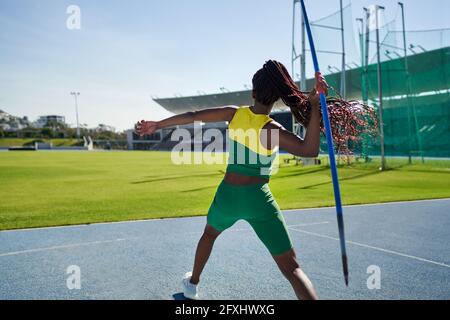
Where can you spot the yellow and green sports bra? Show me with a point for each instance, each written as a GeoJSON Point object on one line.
{"type": "Point", "coordinates": [247, 155]}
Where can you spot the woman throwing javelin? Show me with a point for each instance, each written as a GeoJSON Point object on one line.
{"type": "Point", "coordinates": [244, 192]}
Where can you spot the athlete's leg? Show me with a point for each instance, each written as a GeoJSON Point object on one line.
{"type": "Point", "coordinates": [203, 252]}
{"type": "Point", "coordinates": [220, 217]}
{"type": "Point", "coordinates": [268, 222]}
{"type": "Point", "coordinates": [287, 262]}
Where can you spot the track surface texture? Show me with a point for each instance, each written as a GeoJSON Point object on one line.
{"type": "Point", "coordinates": [409, 242]}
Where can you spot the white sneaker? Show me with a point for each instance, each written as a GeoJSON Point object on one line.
{"type": "Point", "coordinates": [189, 289]}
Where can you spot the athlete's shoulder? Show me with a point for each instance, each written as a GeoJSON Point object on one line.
{"type": "Point", "coordinates": [242, 108]}
{"type": "Point", "coordinates": [273, 125]}
{"type": "Point", "coordinates": [229, 112]}
{"type": "Point", "coordinates": [229, 108]}
{"type": "Point", "coordinates": [232, 109]}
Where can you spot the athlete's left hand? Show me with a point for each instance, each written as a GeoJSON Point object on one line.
{"type": "Point", "coordinates": [145, 127]}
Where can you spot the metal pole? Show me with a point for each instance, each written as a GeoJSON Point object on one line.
{"type": "Point", "coordinates": [364, 150]}
{"type": "Point", "coordinates": [303, 56]}
{"type": "Point", "coordinates": [380, 89]}
{"type": "Point", "coordinates": [361, 49]}
{"type": "Point", "coordinates": [366, 58]}
{"type": "Point", "coordinates": [76, 94]}
{"type": "Point", "coordinates": [343, 78]}
{"type": "Point", "coordinates": [409, 88]}
{"type": "Point", "coordinates": [293, 53]}
{"type": "Point", "coordinates": [297, 128]}
{"type": "Point", "coordinates": [407, 81]}
{"type": "Point", "coordinates": [78, 122]}
{"type": "Point", "coordinates": [404, 36]}
{"type": "Point", "coordinates": [294, 58]}
{"type": "Point", "coordinates": [302, 129]}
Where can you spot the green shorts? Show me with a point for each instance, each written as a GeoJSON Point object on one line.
{"type": "Point", "coordinates": [256, 205]}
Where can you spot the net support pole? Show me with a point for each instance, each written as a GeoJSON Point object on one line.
{"type": "Point", "coordinates": [334, 174]}
{"type": "Point", "coordinates": [380, 88]}
{"type": "Point", "coordinates": [303, 66]}
{"type": "Point", "coordinates": [361, 50]}
{"type": "Point", "coordinates": [405, 52]}
{"type": "Point", "coordinates": [293, 53]}
{"type": "Point", "coordinates": [364, 150]}
{"type": "Point", "coordinates": [366, 58]}
{"type": "Point", "coordinates": [409, 89]}
{"type": "Point", "coordinates": [303, 57]}
{"type": "Point", "coordinates": [294, 58]}
{"type": "Point", "coordinates": [296, 127]}
{"type": "Point", "coordinates": [343, 70]}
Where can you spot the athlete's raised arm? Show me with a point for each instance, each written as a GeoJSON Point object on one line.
{"type": "Point", "coordinates": [292, 143]}
{"type": "Point", "coordinates": [208, 115]}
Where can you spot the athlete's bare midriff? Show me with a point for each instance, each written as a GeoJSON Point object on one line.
{"type": "Point", "coordinates": [241, 180]}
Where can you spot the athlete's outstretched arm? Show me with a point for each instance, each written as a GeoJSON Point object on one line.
{"type": "Point", "coordinates": [208, 115]}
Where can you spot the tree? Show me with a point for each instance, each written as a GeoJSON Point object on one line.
{"type": "Point", "coordinates": [47, 133]}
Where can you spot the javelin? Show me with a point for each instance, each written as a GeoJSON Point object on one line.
{"type": "Point", "coordinates": [326, 122]}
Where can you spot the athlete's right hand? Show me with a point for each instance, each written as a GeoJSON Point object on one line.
{"type": "Point", "coordinates": [321, 84]}
{"type": "Point", "coordinates": [145, 127]}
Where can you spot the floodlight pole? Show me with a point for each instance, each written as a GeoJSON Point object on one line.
{"type": "Point", "coordinates": [343, 76]}
{"type": "Point", "coordinates": [75, 95]}
{"type": "Point", "coordinates": [380, 89]}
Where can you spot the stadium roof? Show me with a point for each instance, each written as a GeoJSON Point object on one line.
{"type": "Point", "coordinates": [184, 104]}
{"type": "Point", "coordinates": [239, 98]}
{"type": "Point", "coordinates": [432, 60]}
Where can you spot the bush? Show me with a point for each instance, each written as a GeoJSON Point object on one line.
{"type": "Point", "coordinates": [32, 142]}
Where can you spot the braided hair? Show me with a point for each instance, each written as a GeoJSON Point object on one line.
{"type": "Point", "coordinates": [348, 119]}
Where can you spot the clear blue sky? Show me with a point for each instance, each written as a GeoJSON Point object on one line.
{"type": "Point", "coordinates": [129, 50]}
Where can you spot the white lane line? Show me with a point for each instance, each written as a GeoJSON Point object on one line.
{"type": "Point", "coordinates": [13, 253]}
{"type": "Point", "coordinates": [374, 248]}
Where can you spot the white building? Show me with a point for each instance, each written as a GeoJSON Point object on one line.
{"type": "Point", "coordinates": [162, 139]}
{"type": "Point", "coordinates": [43, 121]}
{"type": "Point", "coordinates": [9, 122]}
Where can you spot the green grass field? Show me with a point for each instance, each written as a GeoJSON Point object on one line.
{"type": "Point", "coordinates": [62, 188]}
